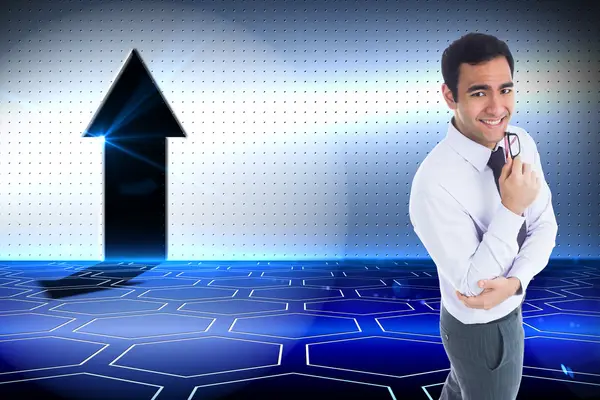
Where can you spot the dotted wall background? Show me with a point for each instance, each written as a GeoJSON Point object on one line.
{"type": "Point", "coordinates": [305, 121]}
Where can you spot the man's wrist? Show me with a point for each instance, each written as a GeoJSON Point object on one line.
{"type": "Point", "coordinates": [516, 287]}
{"type": "Point", "coordinates": [515, 210]}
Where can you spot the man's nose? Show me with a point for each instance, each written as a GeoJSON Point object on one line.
{"type": "Point", "coordinates": [495, 106]}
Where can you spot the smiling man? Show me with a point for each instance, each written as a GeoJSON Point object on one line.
{"type": "Point", "coordinates": [480, 205]}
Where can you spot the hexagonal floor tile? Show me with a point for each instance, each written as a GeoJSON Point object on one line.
{"type": "Point", "coordinates": [82, 385]}
{"type": "Point", "coordinates": [297, 274]}
{"type": "Point", "coordinates": [550, 283]}
{"type": "Point", "coordinates": [550, 353]}
{"type": "Point", "coordinates": [563, 323]}
{"type": "Point", "coordinates": [292, 385]}
{"type": "Point", "coordinates": [63, 283]}
{"type": "Point", "coordinates": [42, 353]}
{"type": "Point", "coordinates": [586, 281]}
{"type": "Point", "coordinates": [151, 283]}
{"type": "Point", "coordinates": [234, 307]}
{"type": "Point", "coordinates": [371, 355]}
{"type": "Point", "coordinates": [11, 305]}
{"type": "Point", "coordinates": [358, 306]}
{"type": "Point", "coordinates": [249, 282]}
{"type": "Point", "coordinates": [405, 293]}
{"type": "Point", "coordinates": [339, 283]}
{"type": "Point", "coordinates": [6, 293]}
{"type": "Point", "coordinates": [561, 274]}
{"type": "Point", "coordinates": [581, 305]}
{"type": "Point", "coordinates": [146, 326]}
{"type": "Point", "coordinates": [18, 324]}
{"type": "Point", "coordinates": [7, 281]}
{"type": "Point", "coordinates": [589, 292]}
{"type": "Point", "coordinates": [108, 307]}
{"type": "Point", "coordinates": [201, 356]}
{"type": "Point", "coordinates": [117, 267]}
{"type": "Point", "coordinates": [213, 274]}
{"type": "Point", "coordinates": [379, 274]}
{"type": "Point", "coordinates": [45, 274]}
{"type": "Point", "coordinates": [419, 282]}
{"type": "Point", "coordinates": [296, 293]}
{"type": "Point", "coordinates": [295, 326]}
{"type": "Point", "coordinates": [188, 266]}
{"type": "Point", "coordinates": [81, 294]}
{"type": "Point", "coordinates": [129, 274]}
{"type": "Point", "coordinates": [417, 324]}
{"type": "Point", "coordinates": [542, 294]}
{"type": "Point", "coordinates": [188, 294]}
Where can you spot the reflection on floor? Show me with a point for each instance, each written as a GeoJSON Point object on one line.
{"type": "Point", "coordinates": [190, 330]}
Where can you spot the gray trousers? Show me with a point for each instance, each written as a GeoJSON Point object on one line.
{"type": "Point", "coordinates": [486, 359]}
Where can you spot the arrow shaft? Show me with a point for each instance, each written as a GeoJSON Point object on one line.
{"type": "Point", "coordinates": [135, 195]}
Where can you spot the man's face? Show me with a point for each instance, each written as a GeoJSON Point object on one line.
{"type": "Point", "coordinates": [485, 101]}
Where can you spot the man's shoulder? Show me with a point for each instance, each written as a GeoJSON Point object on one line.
{"type": "Point", "coordinates": [437, 155]}
{"type": "Point", "coordinates": [431, 170]}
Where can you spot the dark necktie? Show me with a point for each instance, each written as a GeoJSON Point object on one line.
{"type": "Point", "coordinates": [496, 162]}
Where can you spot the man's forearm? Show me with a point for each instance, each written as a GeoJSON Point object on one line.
{"type": "Point", "coordinates": [541, 239]}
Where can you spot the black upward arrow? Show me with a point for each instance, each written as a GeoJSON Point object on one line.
{"type": "Point", "coordinates": [135, 121]}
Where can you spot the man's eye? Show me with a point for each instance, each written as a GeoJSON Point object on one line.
{"type": "Point", "coordinates": [476, 94]}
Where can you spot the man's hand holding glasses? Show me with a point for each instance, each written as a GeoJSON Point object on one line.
{"type": "Point", "coordinates": [519, 183]}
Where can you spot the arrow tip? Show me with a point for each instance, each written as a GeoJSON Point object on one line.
{"type": "Point", "coordinates": [134, 107]}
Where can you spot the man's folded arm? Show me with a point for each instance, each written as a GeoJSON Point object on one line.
{"type": "Point", "coordinates": [451, 239]}
{"type": "Point", "coordinates": [541, 236]}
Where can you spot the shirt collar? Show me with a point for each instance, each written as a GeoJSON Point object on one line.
{"type": "Point", "coordinates": [475, 153]}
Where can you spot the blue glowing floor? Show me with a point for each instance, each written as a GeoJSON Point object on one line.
{"type": "Point", "coordinates": [182, 330]}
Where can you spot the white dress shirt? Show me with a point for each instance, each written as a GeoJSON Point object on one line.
{"type": "Point", "coordinates": [456, 212]}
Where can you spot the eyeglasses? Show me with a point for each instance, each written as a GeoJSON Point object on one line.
{"type": "Point", "coordinates": [512, 144]}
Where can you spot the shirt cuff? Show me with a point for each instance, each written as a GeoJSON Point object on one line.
{"type": "Point", "coordinates": [523, 273]}
{"type": "Point", "coordinates": [506, 226]}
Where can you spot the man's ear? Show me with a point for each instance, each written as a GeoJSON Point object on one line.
{"type": "Point", "coordinates": [448, 97]}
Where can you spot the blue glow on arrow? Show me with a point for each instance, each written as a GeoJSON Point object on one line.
{"type": "Point", "coordinates": [131, 153]}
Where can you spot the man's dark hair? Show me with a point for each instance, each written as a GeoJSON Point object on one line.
{"type": "Point", "coordinates": [472, 48]}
